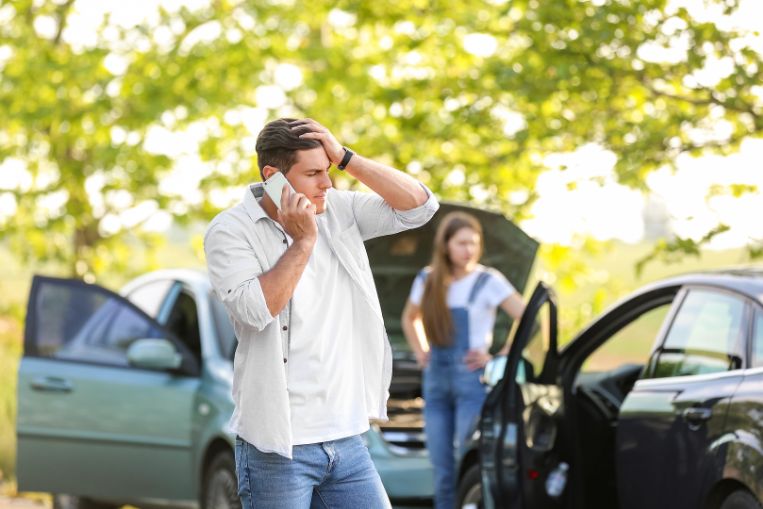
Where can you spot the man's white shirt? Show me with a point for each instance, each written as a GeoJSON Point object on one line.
{"type": "Point", "coordinates": [242, 243]}
{"type": "Point", "coordinates": [324, 374]}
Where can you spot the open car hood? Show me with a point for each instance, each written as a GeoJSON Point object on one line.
{"type": "Point", "coordinates": [396, 259]}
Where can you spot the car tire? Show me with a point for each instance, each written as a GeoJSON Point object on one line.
{"type": "Point", "coordinates": [220, 489]}
{"type": "Point", "coordinates": [72, 502]}
{"type": "Point", "coordinates": [469, 494]}
{"type": "Point", "coordinates": [741, 499]}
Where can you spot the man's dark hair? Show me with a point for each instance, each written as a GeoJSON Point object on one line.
{"type": "Point", "coordinates": [277, 145]}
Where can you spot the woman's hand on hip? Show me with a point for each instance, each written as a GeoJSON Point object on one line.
{"type": "Point", "coordinates": [422, 359]}
{"type": "Point", "coordinates": [476, 359]}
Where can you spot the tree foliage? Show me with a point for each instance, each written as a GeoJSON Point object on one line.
{"type": "Point", "coordinates": [469, 95]}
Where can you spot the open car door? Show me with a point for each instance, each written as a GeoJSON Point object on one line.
{"type": "Point", "coordinates": [92, 414]}
{"type": "Point", "coordinates": [522, 461]}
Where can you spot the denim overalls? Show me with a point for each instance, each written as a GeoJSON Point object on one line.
{"type": "Point", "coordinates": [453, 398]}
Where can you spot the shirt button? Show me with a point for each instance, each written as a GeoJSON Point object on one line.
{"type": "Point", "coordinates": [284, 241]}
{"type": "Point", "coordinates": [285, 360]}
{"type": "Point", "coordinates": [285, 327]}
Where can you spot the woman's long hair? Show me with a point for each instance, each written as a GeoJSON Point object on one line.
{"type": "Point", "coordinates": [435, 314]}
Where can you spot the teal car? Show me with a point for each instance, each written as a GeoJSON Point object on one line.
{"type": "Point", "coordinates": [125, 399]}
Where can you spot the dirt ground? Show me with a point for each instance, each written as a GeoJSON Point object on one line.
{"type": "Point", "coordinates": [24, 503]}
{"type": "Point", "coordinates": [21, 503]}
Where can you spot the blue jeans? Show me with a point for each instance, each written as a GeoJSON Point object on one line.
{"type": "Point", "coordinates": [453, 399]}
{"type": "Point", "coordinates": [337, 474]}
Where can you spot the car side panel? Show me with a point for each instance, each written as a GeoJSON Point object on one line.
{"type": "Point", "coordinates": [744, 453]}
{"type": "Point", "coordinates": [116, 433]}
{"type": "Point", "coordinates": [214, 408]}
{"type": "Point", "coordinates": [662, 460]}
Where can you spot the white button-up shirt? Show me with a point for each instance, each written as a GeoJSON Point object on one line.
{"type": "Point", "coordinates": [243, 242]}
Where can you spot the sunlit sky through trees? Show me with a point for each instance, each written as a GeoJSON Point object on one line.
{"type": "Point", "coordinates": [578, 194]}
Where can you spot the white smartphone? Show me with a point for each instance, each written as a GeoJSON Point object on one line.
{"type": "Point", "coordinates": [274, 186]}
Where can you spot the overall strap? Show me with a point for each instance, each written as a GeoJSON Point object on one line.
{"type": "Point", "coordinates": [481, 281]}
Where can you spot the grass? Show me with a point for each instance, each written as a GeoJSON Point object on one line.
{"type": "Point", "coordinates": [10, 351]}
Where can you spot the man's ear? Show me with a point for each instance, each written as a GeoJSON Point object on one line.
{"type": "Point", "coordinates": [268, 171]}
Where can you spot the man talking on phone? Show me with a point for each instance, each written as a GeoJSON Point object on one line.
{"type": "Point", "coordinates": [313, 363]}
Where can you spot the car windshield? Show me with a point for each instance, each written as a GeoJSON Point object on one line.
{"type": "Point", "coordinates": [226, 336]}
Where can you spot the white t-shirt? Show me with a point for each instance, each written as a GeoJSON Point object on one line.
{"type": "Point", "coordinates": [324, 373]}
{"type": "Point", "coordinates": [482, 310]}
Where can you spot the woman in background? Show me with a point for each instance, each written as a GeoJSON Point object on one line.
{"type": "Point", "coordinates": [455, 299]}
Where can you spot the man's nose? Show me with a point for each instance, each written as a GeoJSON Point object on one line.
{"type": "Point", "coordinates": [326, 182]}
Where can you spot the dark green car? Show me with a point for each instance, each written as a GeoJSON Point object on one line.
{"type": "Point", "coordinates": [125, 398]}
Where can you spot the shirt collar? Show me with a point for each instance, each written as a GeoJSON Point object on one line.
{"type": "Point", "coordinates": [252, 196]}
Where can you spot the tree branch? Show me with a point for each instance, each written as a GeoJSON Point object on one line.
{"type": "Point", "coordinates": [63, 13]}
{"type": "Point", "coordinates": [712, 98]}
{"type": "Point", "coordinates": [733, 140]}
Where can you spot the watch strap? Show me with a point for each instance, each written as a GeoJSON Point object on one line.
{"type": "Point", "coordinates": [346, 159]}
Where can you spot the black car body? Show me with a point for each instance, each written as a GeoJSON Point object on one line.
{"type": "Point", "coordinates": [657, 404]}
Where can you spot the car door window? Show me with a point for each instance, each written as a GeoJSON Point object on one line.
{"type": "Point", "coordinates": [630, 345]}
{"type": "Point", "coordinates": [183, 322]}
{"type": "Point", "coordinates": [149, 296]}
{"type": "Point", "coordinates": [532, 366]}
{"type": "Point", "coordinates": [757, 341]}
{"type": "Point", "coordinates": [76, 322]}
{"type": "Point", "coordinates": [706, 336]}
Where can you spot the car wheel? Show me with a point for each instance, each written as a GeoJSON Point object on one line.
{"type": "Point", "coordinates": [72, 502]}
{"type": "Point", "coordinates": [221, 484]}
{"type": "Point", "coordinates": [469, 494]}
{"type": "Point", "coordinates": [741, 499]}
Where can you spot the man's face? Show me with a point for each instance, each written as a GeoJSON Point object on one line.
{"type": "Point", "coordinates": [310, 176]}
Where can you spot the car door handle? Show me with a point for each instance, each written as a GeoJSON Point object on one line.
{"type": "Point", "coordinates": [697, 415]}
{"type": "Point", "coordinates": [51, 384]}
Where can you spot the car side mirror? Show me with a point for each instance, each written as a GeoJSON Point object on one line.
{"type": "Point", "coordinates": [494, 370]}
{"type": "Point", "coordinates": [153, 354]}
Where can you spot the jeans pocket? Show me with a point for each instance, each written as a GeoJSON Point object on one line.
{"type": "Point", "coordinates": [470, 382]}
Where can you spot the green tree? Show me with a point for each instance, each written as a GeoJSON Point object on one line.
{"type": "Point", "coordinates": [471, 96]}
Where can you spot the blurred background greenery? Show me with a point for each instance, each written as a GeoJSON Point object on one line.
{"type": "Point", "coordinates": [124, 127]}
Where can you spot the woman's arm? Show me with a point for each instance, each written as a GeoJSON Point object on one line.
{"type": "Point", "coordinates": [413, 330]}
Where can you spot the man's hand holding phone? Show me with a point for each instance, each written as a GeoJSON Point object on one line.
{"type": "Point", "coordinates": [296, 212]}
{"type": "Point", "coordinates": [297, 215]}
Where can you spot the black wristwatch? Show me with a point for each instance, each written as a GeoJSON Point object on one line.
{"type": "Point", "coordinates": [346, 159]}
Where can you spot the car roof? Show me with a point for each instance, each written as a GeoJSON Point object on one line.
{"type": "Point", "coordinates": [196, 278]}
{"type": "Point", "coordinates": [747, 281]}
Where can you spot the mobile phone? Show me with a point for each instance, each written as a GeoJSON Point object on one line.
{"type": "Point", "coordinates": [274, 186]}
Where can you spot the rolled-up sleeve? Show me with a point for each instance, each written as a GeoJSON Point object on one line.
{"type": "Point", "coordinates": [375, 217]}
{"type": "Point", "coordinates": [234, 274]}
